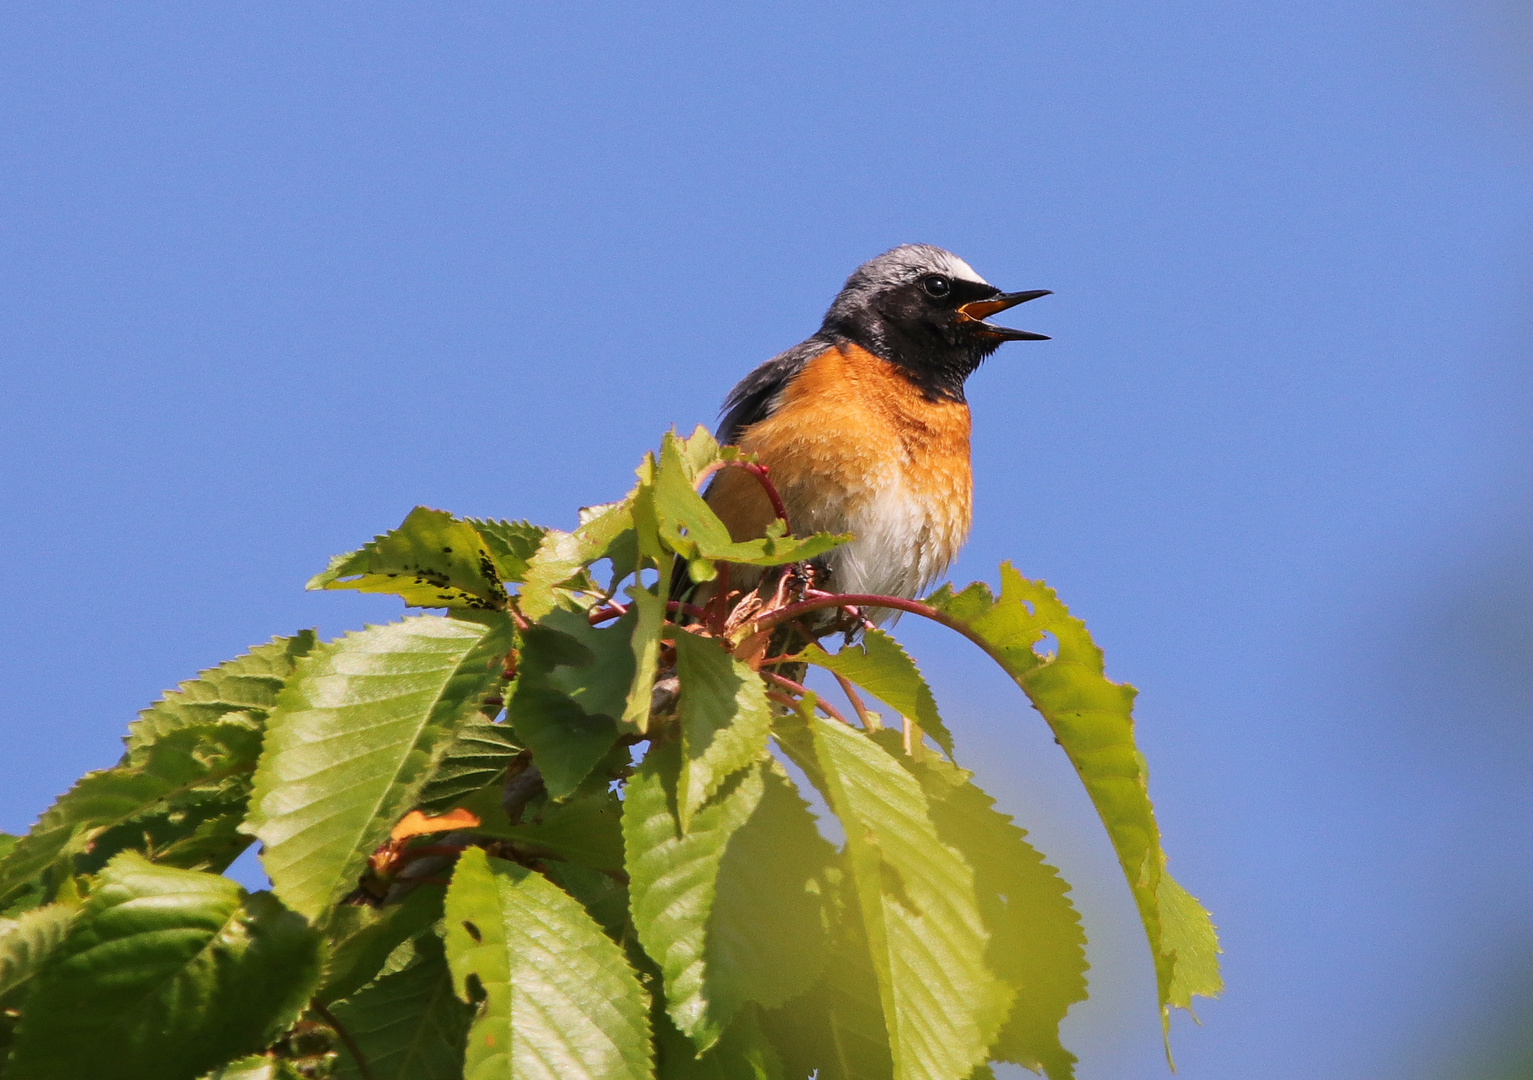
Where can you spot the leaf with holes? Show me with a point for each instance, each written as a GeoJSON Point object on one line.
{"type": "Point", "coordinates": [942, 1005]}
{"type": "Point", "coordinates": [881, 666]}
{"type": "Point", "coordinates": [353, 740]}
{"type": "Point", "coordinates": [408, 1025]}
{"type": "Point", "coordinates": [431, 560]}
{"type": "Point", "coordinates": [1092, 720]}
{"type": "Point", "coordinates": [725, 720]}
{"type": "Point", "coordinates": [558, 997]}
{"type": "Point", "coordinates": [164, 974]}
{"type": "Point", "coordinates": [248, 684]}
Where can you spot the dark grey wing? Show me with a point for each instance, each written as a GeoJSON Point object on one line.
{"type": "Point", "coordinates": [755, 397]}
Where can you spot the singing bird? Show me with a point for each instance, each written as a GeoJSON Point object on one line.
{"type": "Point", "coordinates": [864, 427]}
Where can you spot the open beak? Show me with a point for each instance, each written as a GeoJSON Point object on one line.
{"type": "Point", "coordinates": [980, 310]}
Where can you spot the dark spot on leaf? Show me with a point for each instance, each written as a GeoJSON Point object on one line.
{"type": "Point", "coordinates": [473, 931]}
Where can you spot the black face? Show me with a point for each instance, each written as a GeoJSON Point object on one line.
{"type": "Point", "coordinates": [933, 326]}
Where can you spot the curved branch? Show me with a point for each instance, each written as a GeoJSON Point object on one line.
{"type": "Point", "coordinates": [760, 472]}
{"type": "Point", "coordinates": [799, 688]}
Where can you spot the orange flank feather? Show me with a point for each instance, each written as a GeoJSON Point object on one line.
{"type": "Point", "coordinates": [854, 445]}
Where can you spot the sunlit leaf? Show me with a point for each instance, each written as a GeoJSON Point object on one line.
{"type": "Point", "coordinates": [431, 560]}
{"type": "Point", "coordinates": [881, 667]}
{"type": "Point", "coordinates": [1092, 720]}
{"type": "Point", "coordinates": [692, 530]}
{"type": "Point", "coordinates": [562, 556]}
{"type": "Point", "coordinates": [247, 684]}
{"type": "Point", "coordinates": [353, 740]}
{"type": "Point", "coordinates": [558, 997]}
{"type": "Point", "coordinates": [164, 974]}
{"type": "Point", "coordinates": [1036, 942]}
{"type": "Point", "coordinates": [188, 777]}
{"type": "Point", "coordinates": [512, 544]}
{"type": "Point", "coordinates": [942, 1006]}
{"type": "Point", "coordinates": [27, 941]}
{"type": "Point", "coordinates": [725, 720]}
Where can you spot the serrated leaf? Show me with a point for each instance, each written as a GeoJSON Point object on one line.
{"type": "Point", "coordinates": [1036, 942]}
{"type": "Point", "coordinates": [1092, 720]}
{"type": "Point", "coordinates": [477, 757]}
{"type": "Point", "coordinates": [693, 531]}
{"type": "Point", "coordinates": [649, 621]}
{"type": "Point", "coordinates": [247, 684]}
{"type": "Point", "coordinates": [560, 1001]}
{"type": "Point", "coordinates": [731, 910]}
{"type": "Point", "coordinates": [353, 740]}
{"type": "Point", "coordinates": [743, 1052]}
{"type": "Point", "coordinates": [185, 778]}
{"type": "Point", "coordinates": [431, 560]}
{"type": "Point", "coordinates": [562, 556]}
{"type": "Point", "coordinates": [942, 1006]}
{"type": "Point", "coordinates": [408, 1025]}
{"type": "Point", "coordinates": [27, 941]}
{"type": "Point", "coordinates": [256, 1067]}
{"type": "Point", "coordinates": [672, 882]}
{"type": "Point", "coordinates": [165, 974]}
{"type": "Point", "coordinates": [512, 545]}
{"type": "Point", "coordinates": [725, 720]}
{"type": "Point", "coordinates": [571, 687]}
{"type": "Point", "coordinates": [881, 666]}
{"type": "Point", "coordinates": [360, 939]}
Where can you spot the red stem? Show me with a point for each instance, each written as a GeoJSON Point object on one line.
{"type": "Point", "coordinates": [772, 619]}
{"type": "Point", "coordinates": [800, 689]}
{"type": "Point", "coordinates": [760, 472]}
{"type": "Point", "coordinates": [615, 611]}
{"type": "Point", "coordinates": [851, 695]}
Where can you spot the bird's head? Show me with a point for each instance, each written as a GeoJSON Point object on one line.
{"type": "Point", "coordinates": [925, 309]}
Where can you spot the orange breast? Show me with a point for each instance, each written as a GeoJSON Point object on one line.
{"type": "Point", "coordinates": [855, 446]}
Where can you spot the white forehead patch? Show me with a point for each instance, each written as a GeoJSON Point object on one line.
{"type": "Point", "coordinates": [954, 267]}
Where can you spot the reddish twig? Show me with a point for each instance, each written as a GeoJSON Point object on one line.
{"type": "Point", "coordinates": [766, 622]}
{"type": "Point", "coordinates": [851, 695]}
{"type": "Point", "coordinates": [345, 1036]}
{"type": "Point", "coordinates": [800, 689]}
{"type": "Point", "coordinates": [760, 472]}
{"type": "Point", "coordinates": [617, 611]}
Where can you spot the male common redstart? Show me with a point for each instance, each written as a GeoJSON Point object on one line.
{"type": "Point", "coordinates": [864, 428]}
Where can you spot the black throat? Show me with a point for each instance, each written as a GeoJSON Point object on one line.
{"type": "Point", "coordinates": [938, 363]}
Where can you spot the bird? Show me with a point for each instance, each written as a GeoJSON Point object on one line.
{"type": "Point", "coordinates": [864, 428]}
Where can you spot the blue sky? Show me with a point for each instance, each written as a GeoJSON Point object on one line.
{"type": "Point", "coordinates": [272, 275]}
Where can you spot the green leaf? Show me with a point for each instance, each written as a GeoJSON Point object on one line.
{"type": "Point", "coordinates": [165, 974]}
{"type": "Point", "coordinates": [247, 684]}
{"type": "Point", "coordinates": [477, 757]}
{"type": "Point", "coordinates": [256, 1067]}
{"type": "Point", "coordinates": [731, 910]}
{"type": "Point", "coordinates": [587, 830]}
{"type": "Point", "coordinates": [353, 740]}
{"type": "Point", "coordinates": [27, 941]}
{"type": "Point", "coordinates": [725, 720]}
{"type": "Point", "coordinates": [361, 937]}
{"type": "Point", "coordinates": [559, 999]}
{"type": "Point", "coordinates": [431, 560]}
{"type": "Point", "coordinates": [1092, 720]}
{"type": "Point", "coordinates": [188, 777]}
{"type": "Point", "coordinates": [742, 1053]}
{"type": "Point", "coordinates": [649, 621]}
{"type": "Point", "coordinates": [837, 1030]}
{"type": "Point", "coordinates": [881, 667]}
{"type": "Point", "coordinates": [512, 545]}
{"type": "Point", "coordinates": [408, 1025]}
{"type": "Point", "coordinates": [1036, 942]}
{"type": "Point", "coordinates": [692, 530]}
{"type": "Point", "coordinates": [942, 1006]}
{"type": "Point", "coordinates": [571, 686]}
{"type": "Point", "coordinates": [562, 556]}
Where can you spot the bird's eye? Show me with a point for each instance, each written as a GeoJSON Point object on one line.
{"type": "Point", "coordinates": [936, 285]}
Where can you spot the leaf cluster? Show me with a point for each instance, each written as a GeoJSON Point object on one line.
{"type": "Point", "coordinates": [552, 830]}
